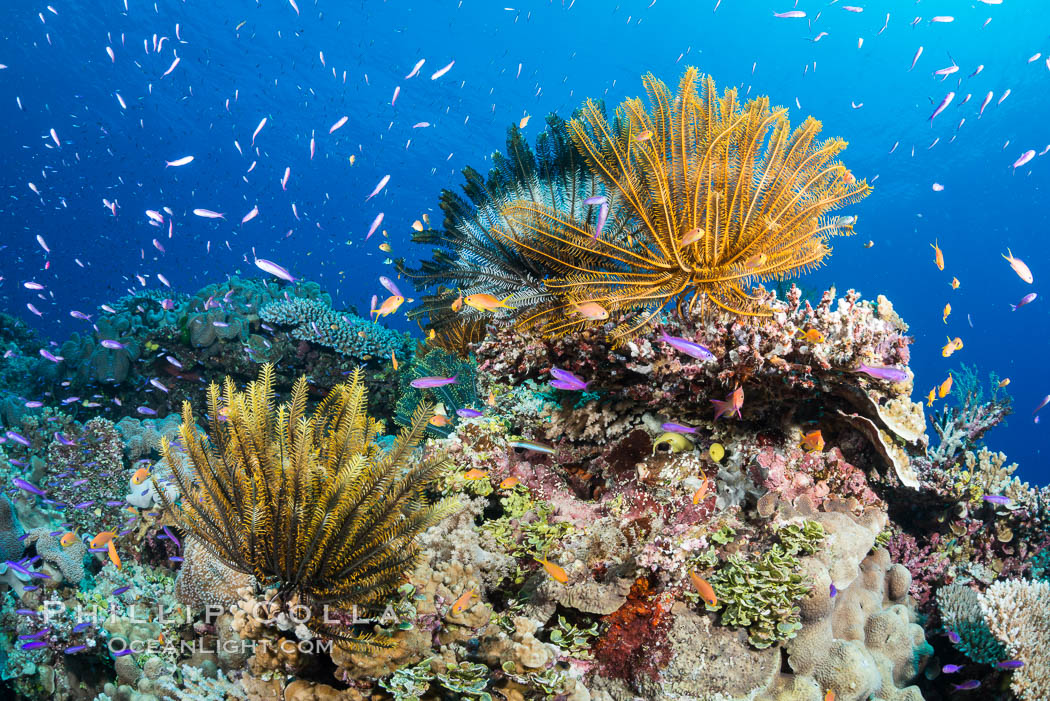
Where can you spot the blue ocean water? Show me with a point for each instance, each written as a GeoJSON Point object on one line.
{"type": "Point", "coordinates": [241, 62]}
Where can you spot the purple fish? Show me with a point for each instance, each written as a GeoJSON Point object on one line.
{"type": "Point", "coordinates": [568, 386]}
{"type": "Point", "coordinates": [677, 428]}
{"type": "Point", "coordinates": [390, 286]}
{"type": "Point", "coordinates": [694, 350]}
{"type": "Point", "coordinates": [33, 404]}
{"type": "Point", "coordinates": [61, 438]}
{"type": "Point", "coordinates": [429, 382]}
{"type": "Point", "coordinates": [467, 413]}
{"type": "Point", "coordinates": [884, 373]}
{"type": "Point", "coordinates": [1010, 664]}
{"type": "Point", "coordinates": [944, 103]}
{"type": "Point", "coordinates": [112, 345]}
{"type": "Point", "coordinates": [36, 644]}
{"type": "Point", "coordinates": [954, 637]}
{"type": "Point", "coordinates": [603, 215]}
{"type": "Point", "coordinates": [175, 558]}
{"type": "Point", "coordinates": [25, 612]}
{"type": "Point", "coordinates": [171, 535]}
{"type": "Point", "coordinates": [174, 361]}
{"type": "Point", "coordinates": [997, 499]}
{"type": "Point", "coordinates": [125, 651]}
{"type": "Point", "coordinates": [18, 438]}
{"type": "Point", "coordinates": [75, 648]}
{"type": "Point", "coordinates": [1030, 297]}
{"type": "Point", "coordinates": [951, 668]}
{"type": "Point", "coordinates": [50, 356]}
{"type": "Point", "coordinates": [81, 627]}
{"type": "Point", "coordinates": [967, 685]}
{"type": "Point", "coordinates": [832, 590]}
{"type": "Point", "coordinates": [146, 411]}
{"type": "Point", "coordinates": [22, 484]}
{"type": "Point", "coordinates": [121, 590]}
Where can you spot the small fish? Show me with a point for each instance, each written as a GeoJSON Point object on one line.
{"type": "Point", "coordinates": [997, 499]}
{"type": "Point", "coordinates": [121, 590]}
{"type": "Point", "coordinates": [463, 602]}
{"type": "Point", "coordinates": [112, 345]}
{"type": "Point", "coordinates": [442, 71]}
{"type": "Point", "coordinates": [1028, 298]}
{"type": "Point", "coordinates": [951, 668]}
{"type": "Point", "coordinates": [812, 336]}
{"type": "Point", "coordinates": [140, 476]}
{"type": "Point", "coordinates": [704, 589]}
{"type": "Point", "coordinates": [955, 283]}
{"type": "Point", "coordinates": [534, 446]}
{"type": "Point", "coordinates": [832, 591]}
{"type": "Point", "coordinates": [701, 491]}
{"type": "Point", "coordinates": [430, 382]}
{"type": "Point", "coordinates": [72, 649]}
{"type": "Point", "coordinates": [208, 214]}
{"type": "Point", "coordinates": [947, 312]}
{"type": "Point", "coordinates": [113, 557]}
{"type": "Point", "coordinates": [944, 104]}
{"type": "Point", "coordinates": [415, 68]}
{"type": "Point", "coordinates": [1019, 267]}
{"type": "Point", "coordinates": [1003, 383]}
{"type": "Point", "coordinates": [556, 572]}
{"type": "Point", "coordinates": [36, 644]}
{"type": "Point", "coordinates": [1010, 664]}
{"type": "Point", "coordinates": [185, 160]}
{"type": "Point", "coordinates": [467, 413]}
{"type": "Point", "coordinates": [389, 306]}
{"type": "Point", "coordinates": [146, 411]}
{"type": "Point", "coordinates": [691, 236]}
{"type": "Point", "coordinates": [643, 136]}
{"type": "Point", "coordinates": [677, 428]}
{"type": "Point", "coordinates": [26, 486]}
{"type": "Point", "coordinates": [967, 685]}
{"type": "Point", "coordinates": [884, 373]}
{"type": "Point", "coordinates": [475, 474]}
{"type": "Point", "coordinates": [694, 350]}
{"type": "Point", "coordinates": [813, 442]}
{"type": "Point", "coordinates": [730, 405]}
{"type": "Point", "coordinates": [274, 269]}
{"type": "Point", "coordinates": [1024, 158]}
{"type": "Point", "coordinates": [338, 125]}
{"type": "Point", "coordinates": [68, 539]}
{"type": "Point", "coordinates": [931, 396]}
{"type": "Point", "coordinates": [756, 261]}
{"type": "Point", "coordinates": [102, 538]}
{"type": "Point", "coordinates": [439, 420]}
{"type": "Point", "coordinates": [790, 14]}
{"type": "Point", "coordinates": [485, 302]}
{"type": "Point", "coordinates": [374, 225]}
{"type": "Point", "coordinates": [592, 311]}
{"type": "Point", "coordinates": [953, 637]}
{"type": "Point", "coordinates": [945, 387]}
{"type": "Point", "coordinates": [523, 122]}
{"type": "Point", "coordinates": [1046, 400]}
{"type": "Point", "coordinates": [938, 256]}
{"type": "Point", "coordinates": [567, 380]}
{"type": "Point", "coordinates": [509, 483]}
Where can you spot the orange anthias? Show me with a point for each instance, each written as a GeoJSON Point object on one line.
{"type": "Point", "coordinates": [945, 387]}
{"type": "Point", "coordinates": [938, 257]}
{"type": "Point", "coordinates": [731, 405]}
{"type": "Point", "coordinates": [703, 588]}
{"type": "Point", "coordinates": [813, 441]}
{"type": "Point", "coordinates": [462, 603]}
{"type": "Point", "coordinates": [556, 572]}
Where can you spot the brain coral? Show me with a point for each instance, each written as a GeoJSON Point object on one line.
{"type": "Point", "coordinates": [68, 560]}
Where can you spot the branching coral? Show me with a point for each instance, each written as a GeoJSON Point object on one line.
{"type": "Point", "coordinates": [1018, 613]}
{"type": "Point", "coordinates": [307, 503]}
{"type": "Point", "coordinates": [961, 428]}
{"type": "Point", "coordinates": [314, 321]}
{"type": "Point", "coordinates": [702, 206]}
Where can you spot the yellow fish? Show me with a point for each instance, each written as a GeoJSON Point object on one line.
{"type": "Point", "coordinates": [869, 244]}
{"type": "Point", "coordinates": [509, 483]}
{"type": "Point", "coordinates": [931, 396]}
{"type": "Point", "coordinates": [352, 159]}
{"type": "Point", "coordinates": [140, 476]}
{"type": "Point", "coordinates": [102, 538]}
{"type": "Point", "coordinates": [475, 474]}
{"type": "Point", "coordinates": [951, 346]}
{"type": "Point", "coordinates": [813, 442]}
{"type": "Point", "coordinates": [701, 492]}
{"type": "Point", "coordinates": [812, 336]}
{"type": "Point", "coordinates": [557, 573]}
{"type": "Point", "coordinates": [457, 303]}
{"type": "Point", "coordinates": [385, 247]}
{"type": "Point", "coordinates": [1004, 383]}
{"type": "Point", "coordinates": [113, 557]}
{"type": "Point", "coordinates": [947, 312]}
{"type": "Point", "coordinates": [955, 283]}
{"type": "Point", "coordinates": [485, 302]}
{"type": "Point", "coordinates": [393, 359]}
{"type": "Point", "coordinates": [945, 387]}
{"type": "Point", "coordinates": [439, 420]}
{"type": "Point", "coordinates": [524, 122]}
{"type": "Point", "coordinates": [68, 539]}
{"type": "Point", "coordinates": [417, 225]}
{"type": "Point", "coordinates": [938, 256]}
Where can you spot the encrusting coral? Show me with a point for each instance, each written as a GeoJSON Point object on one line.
{"type": "Point", "coordinates": [307, 503]}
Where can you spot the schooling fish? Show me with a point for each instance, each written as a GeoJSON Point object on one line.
{"type": "Point", "coordinates": [884, 373]}
{"type": "Point", "coordinates": [1030, 297]}
{"type": "Point", "coordinates": [688, 347]}
{"type": "Point", "coordinates": [431, 382]}
{"type": "Point", "coordinates": [1019, 267]}
{"type": "Point", "coordinates": [731, 405]}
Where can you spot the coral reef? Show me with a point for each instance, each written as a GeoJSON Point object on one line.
{"type": "Point", "coordinates": [348, 334]}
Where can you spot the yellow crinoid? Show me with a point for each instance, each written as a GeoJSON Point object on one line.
{"type": "Point", "coordinates": [707, 197]}
{"type": "Point", "coordinates": [308, 503]}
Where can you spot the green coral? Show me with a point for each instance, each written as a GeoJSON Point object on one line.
{"type": "Point", "coordinates": [724, 535]}
{"type": "Point", "coordinates": [1041, 565]}
{"type": "Point", "coordinates": [549, 682]}
{"type": "Point", "coordinates": [805, 538]}
{"type": "Point", "coordinates": [466, 678]}
{"type": "Point", "coordinates": [526, 538]}
{"type": "Point", "coordinates": [762, 595]}
{"type": "Point", "coordinates": [574, 641]}
{"type": "Point", "coordinates": [409, 683]}
{"type": "Point", "coordinates": [460, 395]}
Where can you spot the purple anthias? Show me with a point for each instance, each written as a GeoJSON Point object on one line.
{"type": "Point", "coordinates": [965, 686]}
{"type": "Point", "coordinates": [686, 346]}
{"type": "Point", "coordinates": [431, 382]}
{"type": "Point", "coordinates": [467, 413]}
{"type": "Point", "coordinates": [951, 668]}
{"type": "Point", "coordinates": [677, 428]}
{"type": "Point", "coordinates": [996, 499]}
{"type": "Point", "coordinates": [1030, 297]}
{"type": "Point", "coordinates": [884, 373]}
{"type": "Point", "coordinates": [1010, 664]}
{"type": "Point", "coordinates": [563, 379]}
